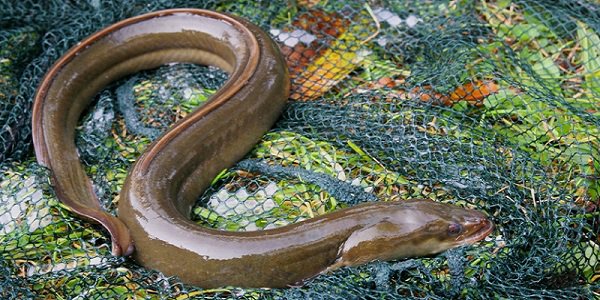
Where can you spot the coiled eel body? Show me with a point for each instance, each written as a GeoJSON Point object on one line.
{"type": "Point", "coordinates": [165, 181]}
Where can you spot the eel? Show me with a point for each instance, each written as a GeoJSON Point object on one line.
{"type": "Point", "coordinates": [153, 222]}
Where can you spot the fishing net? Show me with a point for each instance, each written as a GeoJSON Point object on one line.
{"type": "Point", "coordinates": [491, 105]}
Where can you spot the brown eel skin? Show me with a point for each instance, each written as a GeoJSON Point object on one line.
{"type": "Point", "coordinates": [165, 181]}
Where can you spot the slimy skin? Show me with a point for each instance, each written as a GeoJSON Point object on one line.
{"type": "Point", "coordinates": [155, 202]}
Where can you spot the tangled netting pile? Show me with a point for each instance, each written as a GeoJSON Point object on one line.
{"type": "Point", "coordinates": [492, 105]}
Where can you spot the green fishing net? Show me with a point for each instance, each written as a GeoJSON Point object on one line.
{"type": "Point", "coordinates": [493, 105]}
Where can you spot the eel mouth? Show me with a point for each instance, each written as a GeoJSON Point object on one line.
{"type": "Point", "coordinates": [477, 229]}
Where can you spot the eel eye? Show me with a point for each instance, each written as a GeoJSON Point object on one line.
{"type": "Point", "coordinates": [454, 229]}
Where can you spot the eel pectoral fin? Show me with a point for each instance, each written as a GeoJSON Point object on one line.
{"type": "Point", "coordinates": [363, 245]}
